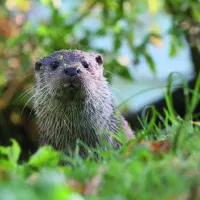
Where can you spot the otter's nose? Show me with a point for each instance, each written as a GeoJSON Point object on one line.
{"type": "Point", "coordinates": [72, 71]}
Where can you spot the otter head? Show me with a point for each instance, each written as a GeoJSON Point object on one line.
{"type": "Point", "coordinates": [69, 72]}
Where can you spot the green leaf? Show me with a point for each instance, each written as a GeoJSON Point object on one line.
{"type": "Point", "coordinates": [45, 156]}
{"type": "Point", "coordinates": [195, 98]}
{"type": "Point", "coordinates": [45, 2]}
{"type": "Point", "coordinates": [15, 151]}
{"type": "Point", "coordinates": [173, 46]}
{"type": "Point", "coordinates": [12, 152]}
{"type": "Point", "coordinates": [195, 10]}
{"type": "Point", "coordinates": [124, 72]}
{"type": "Point", "coordinates": [150, 62]}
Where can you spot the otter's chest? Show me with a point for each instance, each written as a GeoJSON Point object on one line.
{"type": "Point", "coordinates": [77, 124]}
{"type": "Point", "coordinates": [62, 127]}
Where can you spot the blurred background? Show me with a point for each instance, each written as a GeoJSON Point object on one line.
{"type": "Point", "coordinates": [142, 42]}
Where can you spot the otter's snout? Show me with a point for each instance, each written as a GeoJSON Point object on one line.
{"type": "Point", "coordinates": [72, 71]}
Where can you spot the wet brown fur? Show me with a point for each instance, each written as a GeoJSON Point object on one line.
{"type": "Point", "coordinates": [85, 112]}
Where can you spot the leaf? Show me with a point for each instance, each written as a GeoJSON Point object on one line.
{"type": "Point", "coordinates": [195, 10]}
{"type": "Point", "coordinates": [173, 47]}
{"type": "Point", "coordinates": [195, 100]}
{"type": "Point", "coordinates": [150, 62]}
{"type": "Point", "coordinates": [153, 6]}
{"type": "Point", "coordinates": [45, 2]}
{"type": "Point", "coordinates": [124, 72]}
{"type": "Point", "coordinates": [117, 42]}
{"type": "Point", "coordinates": [12, 152]}
{"type": "Point", "coordinates": [45, 156]}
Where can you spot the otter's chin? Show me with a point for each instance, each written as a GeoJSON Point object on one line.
{"type": "Point", "coordinates": [70, 85]}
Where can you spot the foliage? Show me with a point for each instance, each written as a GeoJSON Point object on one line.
{"type": "Point", "coordinates": [24, 40]}
{"type": "Point", "coordinates": [125, 174]}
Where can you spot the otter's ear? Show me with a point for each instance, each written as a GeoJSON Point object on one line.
{"type": "Point", "coordinates": [99, 59]}
{"type": "Point", "coordinates": [38, 65]}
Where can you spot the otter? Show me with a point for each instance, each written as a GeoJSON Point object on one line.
{"type": "Point", "coordinates": [73, 102]}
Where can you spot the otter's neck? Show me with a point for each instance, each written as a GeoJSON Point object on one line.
{"type": "Point", "coordinates": [63, 123]}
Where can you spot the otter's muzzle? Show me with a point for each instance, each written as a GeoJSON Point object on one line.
{"type": "Point", "coordinates": [72, 71]}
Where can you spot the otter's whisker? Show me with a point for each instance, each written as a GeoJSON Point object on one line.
{"type": "Point", "coordinates": [25, 93]}
{"type": "Point", "coordinates": [27, 104]}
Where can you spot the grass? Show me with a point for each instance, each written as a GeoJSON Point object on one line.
{"type": "Point", "coordinates": [143, 168]}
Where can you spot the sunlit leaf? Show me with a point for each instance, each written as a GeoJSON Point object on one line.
{"type": "Point", "coordinates": [45, 2]}
{"type": "Point", "coordinates": [153, 6]}
{"type": "Point", "coordinates": [12, 152]}
{"type": "Point", "coordinates": [195, 10]}
{"type": "Point", "coordinates": [44, 156]}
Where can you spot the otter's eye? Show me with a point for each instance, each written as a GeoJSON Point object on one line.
{"type": "Point", "coordinates": [55, 65]}
{"type": "Point", "coordinates": [85, 64]}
